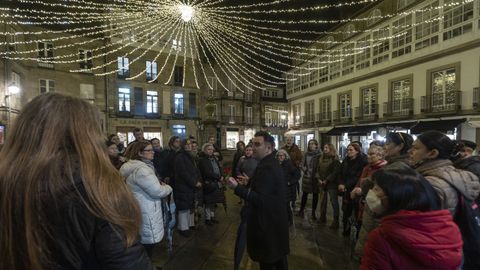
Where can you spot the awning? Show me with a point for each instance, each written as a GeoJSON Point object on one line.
{"type": "Point", "coordinates": [400, 125]}
{"type": "Point", "coordinates": [439, 125]}
{"type": "Point", "coordinates": [307, 131]}
{"type": "Point", "coordinates": [362, 130]}
{"type": "Point", "coordinates": [338, 131]}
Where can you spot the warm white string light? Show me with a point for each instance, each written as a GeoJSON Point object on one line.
{"type": "Point", "coordinates": [234, 9]}
{"type": "Point", "coordinates": [241, 44]}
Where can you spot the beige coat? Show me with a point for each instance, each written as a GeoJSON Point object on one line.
{"type": "Point", "coordinates": [441, 174]}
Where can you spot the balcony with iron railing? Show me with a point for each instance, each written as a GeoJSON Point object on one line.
{"type": "Point", "coordinates": [342, 116]}
{"type": "Point", "coordinates": [232, 120]}
{"type": "Point", "coordinates": [398, 109]}
{"type": "Point", "coordinates": [308, 120]}
{"type": "Point", "coordinates": [324, 119]}
{"type": "Point", "coordinates": [271, 122]}
{"type": "Point", "coordinates": [366, 113]}
{"type": "Point", "coordinates": [297, 121]}
{"type": "Point", "coordinates": [250, 98]}
{"type": "Point", "coordinates": [441, 103]}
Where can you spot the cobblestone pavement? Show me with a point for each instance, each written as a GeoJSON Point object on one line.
{"type": "Point", "coordinates": [312, 247]}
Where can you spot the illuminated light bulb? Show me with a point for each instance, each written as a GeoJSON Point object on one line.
{"type": "Point", "coordinates": [187, 12]}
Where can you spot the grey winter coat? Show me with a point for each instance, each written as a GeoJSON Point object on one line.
{"type": "Point", "coordinates": [148, 191]}
{"type": "Point", "coordinates": [441, 174]}
{"type": "Point", "coordinates": [309, 180]}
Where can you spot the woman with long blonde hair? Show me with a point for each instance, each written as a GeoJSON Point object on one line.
{"type": "Point", "coordinates": [62, 203]}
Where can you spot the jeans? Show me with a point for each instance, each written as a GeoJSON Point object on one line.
{"type": "Point", "coordinates": [333, 194]}
{"type": "Point", "coordinates": [314, 201]}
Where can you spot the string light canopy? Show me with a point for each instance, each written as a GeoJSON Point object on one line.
{"type": "Point", "coordinates": [246, 45]}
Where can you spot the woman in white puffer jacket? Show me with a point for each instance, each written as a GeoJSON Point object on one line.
{"type": "Point", "coordinates": [148, 190]}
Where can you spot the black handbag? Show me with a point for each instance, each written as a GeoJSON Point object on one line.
{"type": "Point", "coordinates": [210, 187]}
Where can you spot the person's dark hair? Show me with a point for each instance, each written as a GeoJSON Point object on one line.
{"type": "Point", "coordinates": [155, 139]}
{"type": "Point", "coordinates": [436, 140]}
{"type": "Point", "coordinates": [172, 140]}
{"type": "Point", "coordinates": [134, 148]}
{"type": "Point", "coordinates": [356, 146]}
{"type": "Point", "coordinates": [405, 189]}
{"type": "Point", "coordinates": [469, 144]}
{"type": "Point", "coordinates": [266, 137]}
{"type": "Point", "coordinates": [137, 130]}
{"type": "Point", "coordinates": [108, 143]}
{"type": "Point", "coordinates": [357, 142]}
{"type": "Point", "coordinates": [184, 142]}
{"type": "Point", "coordinates": [398, 138]}
{"type": "Point", "coordinates": [240, 143]}
{"type": "Point", "coordinates": [111, 136]}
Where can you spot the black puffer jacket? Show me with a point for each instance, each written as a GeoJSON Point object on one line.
{"type": "Point", "coordinates": [186, 177]}
{"type": "Point", "coordinates": [213, 190]}
{"type": "Point", "coordinates": [292, 175]}
{"type": "Point", "coordinates": [471, 164]}
{"type": "Point", "coordinates": [86, 242]}
{"type": "Point", "coordinates": [350, 171]}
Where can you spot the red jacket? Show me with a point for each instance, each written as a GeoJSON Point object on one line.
{"type": "Point", "coordinates": [368, 171]}
{"type": "Point", "coordinates": [414, 240]}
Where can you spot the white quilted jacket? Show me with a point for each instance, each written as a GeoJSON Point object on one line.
{"type": "Point", "coordinates": [146, 188]}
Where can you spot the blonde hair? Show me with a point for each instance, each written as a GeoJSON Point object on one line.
{"type": "Point", "coordinates": [56, 146]}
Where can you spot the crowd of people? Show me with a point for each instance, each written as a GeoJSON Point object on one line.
{"type": "Point", "coordinates": [83, 203]}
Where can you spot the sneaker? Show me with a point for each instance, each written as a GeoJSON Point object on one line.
{"type": "Point", "coordinates": [208, 222]}
{"type": "Point", "coordinates": [300, 214]}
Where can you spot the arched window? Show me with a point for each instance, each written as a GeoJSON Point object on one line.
{"type": "Point", "coordinates": [374, 17]}
{"type": "Point", "coordinates": [349, 31]}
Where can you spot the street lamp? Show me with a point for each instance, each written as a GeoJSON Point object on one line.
{"type": "Point", "coordinates": [12, 89]}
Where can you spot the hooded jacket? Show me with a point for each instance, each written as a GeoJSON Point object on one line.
{"type": "Point", "coordinates": [471, 164]}
{"type": "Point", "coordinates": [414, 240]}
{"type": "Point", "coordinates": [441, 174]}
{"type": "Point", "coordinates": [146, 188]}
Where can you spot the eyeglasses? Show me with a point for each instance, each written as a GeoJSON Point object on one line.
{"type": "Point", "coordinates": [257, 144]}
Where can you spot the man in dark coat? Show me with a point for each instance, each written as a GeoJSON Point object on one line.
{"type": "Point", "coordinates": [464, 158]}
{"type": "Point", "coordinates": [267, 218]}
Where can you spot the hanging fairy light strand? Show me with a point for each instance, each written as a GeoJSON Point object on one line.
{"type": "Point", "coordinates": [236, 42]}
